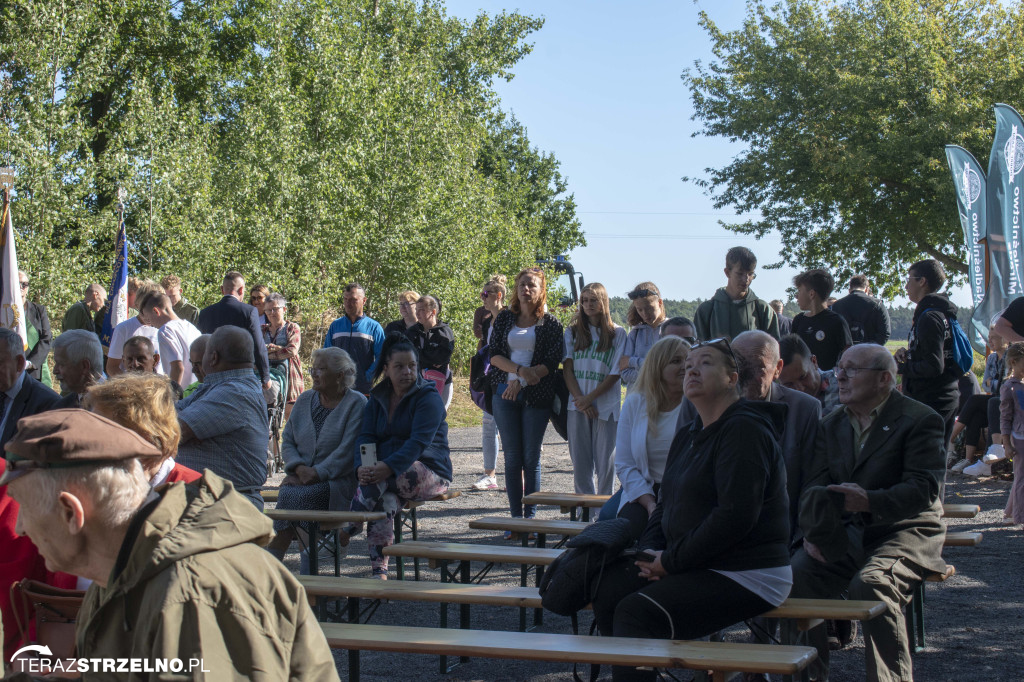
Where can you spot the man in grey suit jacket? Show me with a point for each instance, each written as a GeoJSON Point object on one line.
{"type": "Point", "coordinates": [875, 494]}
{"type": "Point", "coordinates": [20, 394]}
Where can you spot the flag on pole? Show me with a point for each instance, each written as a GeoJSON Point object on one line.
{"type": "Point", "coordinates": [12, 309]}
{"type": "Point", "coordinates": [971, 201]}
{"type": "Point", "coordinates": [117, 299]}
{"type": "Point", "coordinates": [1005, 179]}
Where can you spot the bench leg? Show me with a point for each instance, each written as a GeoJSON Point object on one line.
{"type": "Point", "coordinates": [915, 620]}
{"type": "Point", "coordinates": [314, 548]}
{"type": "Point", "coordinates": [538, 614]}
{"type": "Point", "coordinates": [464, 614]}
{"type": "Point", "coordinates": [415, 536]}
{"type": "Point", "coordinates": [400, 565]}
{"type": "Point", "coordinates": [353, 654]}
{"type": "Point", "coordinates": [585, 514]}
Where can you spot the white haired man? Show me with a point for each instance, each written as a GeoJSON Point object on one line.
{"type": "Point", "coordinates": [177, 573]}
{"type": "Point", "coordinates": [77, 364]}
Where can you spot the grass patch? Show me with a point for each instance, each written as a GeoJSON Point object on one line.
{"type": "Point", "coordinates": [463, 411]}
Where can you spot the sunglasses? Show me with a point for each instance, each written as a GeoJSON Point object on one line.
{"type": "Point", "coordinates": [721, 345]}
{"type": "Point", "coordinates": [641, 293]}
{"type": "Point", "coordinates": [24, 285]}
{"type": "Point", "coordinates": [484, 294]}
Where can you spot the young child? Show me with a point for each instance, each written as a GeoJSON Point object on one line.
{"type": "Point", "coordinates": [593, 346]}
{"type": "Point", "coordinates": [1011, 413]}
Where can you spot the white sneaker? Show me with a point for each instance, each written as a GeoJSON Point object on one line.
{"type": "Point", "coordinates": [994, 454]}
{"type": "Point", "coordinates": [978, 469]}
{"type": "Point", "coordinates": [486, 482]}
{"type": "Point", "coordinates": [959, 467]}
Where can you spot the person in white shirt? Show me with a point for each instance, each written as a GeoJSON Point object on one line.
{"type": "Point", "coordinates": [133, 326]}
{"type": "Point", "coordinates": [646, 428]}
{"type": "Point", "coordinates": [175, 337]}
{"type": "Point", "coordinates": [593, 347]}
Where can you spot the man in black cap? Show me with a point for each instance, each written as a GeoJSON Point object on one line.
{"type": "Point", "coordinates": [178, 573]}
{"type": "Point", "coordinates": [884, 454]}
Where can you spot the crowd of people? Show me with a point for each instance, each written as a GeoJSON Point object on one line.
{"type": "Point", "coordinates": [755, 457]}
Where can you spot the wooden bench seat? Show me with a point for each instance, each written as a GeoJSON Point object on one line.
{"type": "Point", "coordinates": [524, 527]}
{"type": "Point", "coordinates": [569, 502]}
{"type": "Point", "coordinates": [720, 658]}
{"type": "Point", "coordinates": [318, 522]}
{"type": "Point", "coordinates": [438, 553]}
{"type": "Point", "coordinates": [270, 494]}
{"type": "Point", "coordinates": [960, 511]}
{"type": "Point", "coordinates": [962, 539]}
{"type": "Point", "coordinates": [407, 518]}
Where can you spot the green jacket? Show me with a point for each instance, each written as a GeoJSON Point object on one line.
{"type": "Point", "coordinates": [198, 584]}
{"type": "Point", "coordinates": [720, 316]}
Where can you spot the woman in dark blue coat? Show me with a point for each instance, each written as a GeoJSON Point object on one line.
{"type": "Point", "coordinates": [405, 420]}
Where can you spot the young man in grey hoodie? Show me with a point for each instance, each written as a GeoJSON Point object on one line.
{"type": "Point", "coordinates": [735, 308]}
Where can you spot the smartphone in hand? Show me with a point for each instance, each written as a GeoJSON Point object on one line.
{"type": "Point", "coordinates": [368, 454]}
{"type": "Point", "coordinates": [645, 556]}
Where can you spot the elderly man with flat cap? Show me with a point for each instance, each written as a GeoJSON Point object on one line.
{"type": "Point", "coordinates": [178, 573]}
{"type": "Point", "coordinates": [871, 507]}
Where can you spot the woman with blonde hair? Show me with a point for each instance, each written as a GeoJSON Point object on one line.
{"type": "Point", "coordinates": [526, 346]}
{"type": "Point", "coordinates": [144, 403]}
{"type": "Point", "coordinates": [646, 429]}
{"type": "Point", "coordinates": [645, 316]}
{"type": "Point", "coordinates": [593, 346]}
{"type": "Point", "coordinates": [407, 308]}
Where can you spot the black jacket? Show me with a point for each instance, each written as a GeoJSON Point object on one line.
{"type": "Point", "coordinates": [33, 398]}
{"type": "Point", "coordinates": [867, 317]}
{"type": "Point", "coordinates": [723, 502]}
{"type": "Point", "coordinates": [436, 346]}
{"type": "Point", "coordinates": [36, 315]}
{"type": "Point", "coordinates": [930, 373]}
{"type": "Point", "coordinates": [229, 310]}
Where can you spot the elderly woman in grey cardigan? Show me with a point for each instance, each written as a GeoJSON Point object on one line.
{"type": "Point", "coordinates": [318, 444]}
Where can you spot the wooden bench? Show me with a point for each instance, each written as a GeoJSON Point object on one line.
{"type": "Point", "coordinates": [569, 502]}
{"type": "Point", "coordinates": [960, 511]}
{"type": "Point", "coordinates": [718, 658]}
{"type": "Point", "coordinates": [270, 494]}
{"type": "Point", "coordinates": [318, 521]}
{"type": "Point", "coordinates": [525, 527]}
{"type": "Point", "coordinates": [915, 609]}
{"type": "Point", "coordinates": [962, 539]}
{"type": "Point", "coordinates": [407, 518]}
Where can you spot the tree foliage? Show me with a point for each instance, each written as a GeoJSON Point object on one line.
{"type": "Point", "coordinates": [306, 143]}
{"type": "Point", "coordinates": [844, 109]}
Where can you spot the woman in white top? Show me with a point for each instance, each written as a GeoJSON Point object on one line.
{"type": "Point", "coordinates": [593, 346]}
{"type": "Point", "coordinates": [647, 426]}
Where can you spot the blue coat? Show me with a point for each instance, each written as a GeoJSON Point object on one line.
{"type": "Point", "coordinates": [417, 430]}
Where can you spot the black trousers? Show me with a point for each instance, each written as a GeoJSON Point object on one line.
{"type": "Point", "coordinates": [680, 606]}
{"type": "Point", "coordinates": [975, 416]}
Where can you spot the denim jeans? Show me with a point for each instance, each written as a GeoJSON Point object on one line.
{"type": "Point", "coordinates": [490, 442]}
{"type": "Point", "coordinates": [522, 433]}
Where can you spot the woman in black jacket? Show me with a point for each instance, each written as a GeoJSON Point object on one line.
{"type": "Point", "coordinates": [436, 343]}
{"type": "Point", "coordinates": [37, 326]}
{"type": "Point", "coordinates": [716, 543]}
{"type": "Point", "coordinates": [526, 347]}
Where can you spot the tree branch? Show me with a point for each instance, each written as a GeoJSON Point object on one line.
{"type": "Point", "coordinates": [948, 262]}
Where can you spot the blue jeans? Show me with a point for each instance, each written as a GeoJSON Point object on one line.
{"type": "Point", "coordinates": [611, 508]}
{"type": "Point", "coordinates": [522, 433]}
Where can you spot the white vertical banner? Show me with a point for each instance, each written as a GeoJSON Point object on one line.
{"type": "Point", "coordinates": [12, 309]}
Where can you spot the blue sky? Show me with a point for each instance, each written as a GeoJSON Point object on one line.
{"type": "Point", "coordinates": [602, 90]}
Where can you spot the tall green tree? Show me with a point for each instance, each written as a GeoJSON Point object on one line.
{"type": "Point", "coordinates": [843, 109]}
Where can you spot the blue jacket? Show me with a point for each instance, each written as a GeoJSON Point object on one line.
{"type": "Point", "coordinates": [362, 340]}
{"type": "Point", "coordinates": [417, 430]}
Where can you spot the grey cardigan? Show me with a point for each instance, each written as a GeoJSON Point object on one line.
{"type": "Point", "coordinates": [333, 454]}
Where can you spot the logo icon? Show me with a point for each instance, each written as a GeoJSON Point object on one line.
{"type": "Point", "coordinates": [1013, 153]}
{"type": "Point", "coordinates": [970, 185]}
{"type": "Point", "coordinates": [40, 649]}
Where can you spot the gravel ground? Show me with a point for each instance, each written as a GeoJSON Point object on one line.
{"type": "Point", "coordinates": [974, 621]}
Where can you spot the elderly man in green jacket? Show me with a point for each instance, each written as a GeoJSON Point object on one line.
{"type": "Point", "coordinates": [178, 573]}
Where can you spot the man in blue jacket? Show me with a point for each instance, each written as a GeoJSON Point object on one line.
{"type": "Point", "coordinates": [232, 310]}
{"type": "Point", "coordinates": [358, 335]}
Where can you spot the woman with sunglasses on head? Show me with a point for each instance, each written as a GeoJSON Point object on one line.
{"type": "Point", "coordinates": [715, 551]}
{"type": "Point", "coordinates": [493, 296]}
{"type": "Point", "coordinates": [645, 315]}
{"type": "Point", "coordinates": [526, 347]}
{"type": "Point", "coordinates": [407, 308]}
{"type": "Point", "coordinates": [593, 346]}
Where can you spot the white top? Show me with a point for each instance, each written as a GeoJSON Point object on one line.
{"type": "Point", "coordinates": [521, 342]}
{"type": "Point", "coordinates": [660, 441]}
{"type": "Point", "coordinates": [175, 338]}
{"type": "Point", "coordinates": [126, 330]}
{"type": "Point", "coordinates": [632, 459]}
{"type": "Point", "coordinates": [591, 367]}
{"type": "Point", "coordinates": [771, 584]}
